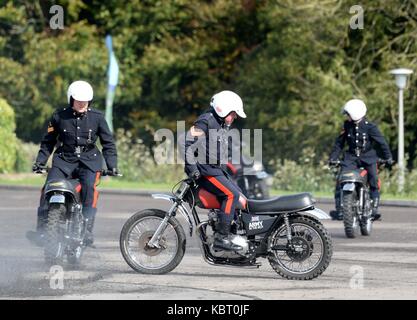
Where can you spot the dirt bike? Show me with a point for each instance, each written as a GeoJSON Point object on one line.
{"type": "Point", "coordinates": [355, 207]}
{"type": "Point", "coordinates": [285, 230]}
{"type": "Point", "coordinates": [66, 227]}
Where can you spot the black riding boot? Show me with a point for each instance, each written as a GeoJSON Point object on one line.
{"type": "Point", "coordinates": [90, 216]}
{"type": "Point", "coordinates": [375, 214]}
{"type": "Point", "coordinates": [337, 214]}
{"type": "Point", "coordinates": [37, 237]}
{"type": "Point", "coordinates": [223, 238]}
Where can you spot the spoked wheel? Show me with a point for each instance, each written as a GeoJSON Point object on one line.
{"type": "Point", "coordinates": [136, 234]}
{"type": "Point", "coordinates": [309, 253]}
{"type": "Point", "coordinates": [54, 236]}
{"type": "Point", "coordinates": [350, 218]}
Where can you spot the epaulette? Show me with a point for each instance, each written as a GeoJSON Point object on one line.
{"type": "Point", "coordinates": [93, 110]}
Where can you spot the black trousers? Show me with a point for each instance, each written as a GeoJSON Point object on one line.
{"type": "Point", "coordinates": [89, 181]}
{"type": "Point", "coordinates": [227, 191]}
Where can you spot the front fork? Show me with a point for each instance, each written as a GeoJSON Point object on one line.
{"type": "Point", "coordinates": [154, 242]}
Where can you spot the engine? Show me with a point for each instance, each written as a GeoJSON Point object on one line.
{"type": "Point", "coordinates": [238, 238]}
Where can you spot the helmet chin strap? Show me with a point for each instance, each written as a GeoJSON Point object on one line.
{"type": "Point", "coordinates": [72, 106]}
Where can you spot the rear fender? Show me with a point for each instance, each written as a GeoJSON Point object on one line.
{"type": "Point", "coordinates": [315, 213]}
{"type": "Point", "coordinates": [61, 187]}
{"type": "Point", "coordinates": [62, 196]}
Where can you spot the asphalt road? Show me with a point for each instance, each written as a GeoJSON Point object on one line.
{"type": "Point", "coordinates": [382, 266]}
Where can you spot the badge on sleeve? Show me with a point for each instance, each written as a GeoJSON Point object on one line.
{"type": "Point", "coordinates": [50, 128]}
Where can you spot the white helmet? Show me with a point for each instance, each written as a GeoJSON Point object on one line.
{"type": "Point", "coordinates": [355, 108]}
{"type": "Point", "coordinates": [80, 90]}
{"type": "Point", "coordinates": [225, 102]}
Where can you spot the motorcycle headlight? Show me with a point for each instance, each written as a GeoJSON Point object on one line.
{"type": "Point", "coordinates": [258, 166]}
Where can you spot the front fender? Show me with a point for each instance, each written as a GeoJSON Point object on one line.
{"type": "Point", "coordinates": [181, 208]}
{"type": "Point", "coordinates": [316, 213]}
{"type": "Point", "coordinates": [163, 196]}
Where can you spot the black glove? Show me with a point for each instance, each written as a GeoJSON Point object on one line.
{"type": "Point", "coordinates": [114, 172]}
{"type": "Point", "coordinates": [389, 161]}
{"type": "Point", "coordinates": [195, 175]}
{"type": "Point", "coordinates": [38, 167]}
{"type": "Point", "coordinates": [332, 163]}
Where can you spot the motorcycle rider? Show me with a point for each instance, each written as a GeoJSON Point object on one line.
{"type": "Point", "coordinates": [209, 133]}
{"type": "Point", "coordinates": [359, 134]}
{"type": "Point", "coordinates": [77, 127]}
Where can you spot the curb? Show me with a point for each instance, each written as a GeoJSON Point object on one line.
{"type": "Point", "coordinates": [383, 203]}
{"type": "Point", "coordinates": [386, 203]}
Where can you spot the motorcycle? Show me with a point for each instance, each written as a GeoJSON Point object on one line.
{"type": "Point", "coordinates": [66, 227]}
{"type": "Point", "coordinates": [285, 230]}
{"type": "Point", "coordinates": [251, 178]}
{"type": "Point", "coordinates": [354, 204]}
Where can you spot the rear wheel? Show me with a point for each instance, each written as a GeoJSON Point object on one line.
{"type": "Point", "coordinates": [54, 235]}
{"type": "Point", "coordinates": [310, 251]}
{"type": "Point", "coordinates": [350, 217]}
{"type": "Point", "coordinates": [138, 231]}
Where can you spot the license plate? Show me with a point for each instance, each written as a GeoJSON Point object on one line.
{"type": "Point", "coordinates": [57, 198]}
{"type": "Point", "coordinates": [349, 187]}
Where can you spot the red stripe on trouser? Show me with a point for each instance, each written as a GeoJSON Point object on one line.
{"type": "Point", "coordinates": [227, 192]}
{"type": "Point", "coordinates": [95, 189]}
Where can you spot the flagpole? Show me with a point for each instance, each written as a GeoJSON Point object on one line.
{"type": "Point", "coordinates": [112, 74]}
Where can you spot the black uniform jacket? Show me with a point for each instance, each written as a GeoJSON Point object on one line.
{"type": "Point", "coordinates": [359, 138]}
{"type": "Point", "coordinates": [209, 154]}
{"type": "Point", "coordinates": [76, 135]}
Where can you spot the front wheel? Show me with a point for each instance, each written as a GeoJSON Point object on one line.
{"type": "Point", "coordinates": [309, 253]}
{"type": "Point", "coordinates": [138, 231]}
{"type": "Point", "coordinates": [350, 217]}
{"type": "Point", "coordinates": [54, 236]}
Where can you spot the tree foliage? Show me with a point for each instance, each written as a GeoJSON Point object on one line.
{"type": "Point", "coordinates": [8, 139]}
{"type": "Point", "coordinates": [294, 62]}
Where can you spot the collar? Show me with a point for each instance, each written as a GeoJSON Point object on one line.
{"type": "Point", "coordinates": [78, 114]}
{"type": "Point", "coordinates": [216, 116]}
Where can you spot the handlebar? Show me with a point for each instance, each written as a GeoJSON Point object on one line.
{"type": "Point", "coordinates": [44, 169]}
{"type": "Point", "coordinates": [110, 173]}
{"type": "Point", "coordinates": [334, 163]}
{"type": "Point", "coordinates": [381, 162]}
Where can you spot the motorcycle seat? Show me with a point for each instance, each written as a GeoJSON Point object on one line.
{"type": "Point", "coordinates": [288, 203]}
